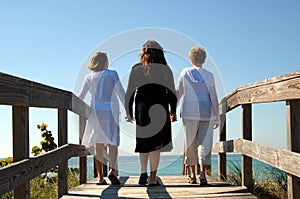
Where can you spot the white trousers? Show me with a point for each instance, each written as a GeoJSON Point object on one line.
{"type": "Point", "coordinates": [198, 141]}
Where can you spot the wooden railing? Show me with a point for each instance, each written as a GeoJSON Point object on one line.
{"type": "Point", "coordinates": [282, 88]}
{"type": "Point", "coordinates": [22, 94]}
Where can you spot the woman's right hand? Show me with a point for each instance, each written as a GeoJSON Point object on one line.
{"type": "Point", "coordinates": [173, 117]}
{"type": "Point", "coordinates": [129, 119]}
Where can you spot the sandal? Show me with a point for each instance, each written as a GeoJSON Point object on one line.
{"type": "Point", "coordinates": [203, 182]}
{"type": "Point", "coordinates": [114, 180]}
{"type": "Point", "coordinates": [102, 183]}
{"type": "Point", "coordinates": [192, 180]}
{"type": "Point", "coordinates": [143, 179]}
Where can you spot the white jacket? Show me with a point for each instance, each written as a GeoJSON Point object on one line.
{"type": "Point", "coordinates": [196, 87]}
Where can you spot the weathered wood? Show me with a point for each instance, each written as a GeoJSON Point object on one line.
{"type": "Point", "coordinates": [21, 145]}
{"type": "Point", "coordinates": [82, 160]}
{"type": "Point", "coordinates": [62, 127]}
{"type": "Point", "coordinates": [22, 171]}
{"type": "Point", "coordinates": [283, 159]}
{"type": "Point", "coordinates": [62, 140]}
{"type": "Point", "coordinates": [222, 171]}
{"type": "Point", "coordinates": [79, 107]}
{"type": "Point", "coordinates": [172, 187]}
{"type": "Point", "coordinates": [285, 87]}
{"type": "Point", "coordinates": [247, 134]}
{"type": "Point", "coordinates": [21, 92]}
{"type": "Point", "coordinates": [293, 142]}
{"type": "Point", "coordinates": [224, 146]}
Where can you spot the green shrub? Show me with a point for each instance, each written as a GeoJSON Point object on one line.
{"type": "Point", "coordinates": [45, 187]}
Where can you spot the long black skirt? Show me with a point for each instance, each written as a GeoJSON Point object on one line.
{"type": "Point", "coordinates": [153, 128]}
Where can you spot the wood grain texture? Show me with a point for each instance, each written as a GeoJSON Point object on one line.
{"type": "Point", "coordinates": [62, 140]}
{"type": "Point", "coordinates": [222, 171]}
{"type": "Point", "coordinates": [21, 144]}
{"type": "Point", "coordinates": [283, 159]}
{"type": "Point", "coordinates": [22, 92]}
{"type": "Point", "coordinates": [172, 187]}
{"type": "Point", "coordinates": [22, 171]}
{"type": "Point", "coordinates": [281, 88]}
{"type": "Point", "coordinates": [80, 107]}
{"type": "Point", "coordinates": [293, 142]}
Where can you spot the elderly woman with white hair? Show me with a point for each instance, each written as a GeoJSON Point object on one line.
{"type": "Point", "coordinates": [199, 113]}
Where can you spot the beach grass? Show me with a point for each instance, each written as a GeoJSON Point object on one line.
{"type": "Point", "coordinates": [268, 182]}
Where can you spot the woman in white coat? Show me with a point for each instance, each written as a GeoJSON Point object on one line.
{"type": "Point", "coordinates": [102, 127]}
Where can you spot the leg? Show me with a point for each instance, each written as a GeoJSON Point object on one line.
{"type": "Point", "coordinates": [205, 165]}
{"type": "Point", "coordinates": [203, 169]}
{"type": "Point", "coordinates": [154, 157]}
{"type": "Point", "coordinates": [144, 162]}
{"type": "Point", "coordinates": [191, 144]}
{"type": "Point", "coordinates": [205, 138]}
{"type": "Point", "coordinates": [113, 156]}
{"type": "Point", "coordinates": [99, 160]}
{"type": "Point", "coordinates": [192, 171]}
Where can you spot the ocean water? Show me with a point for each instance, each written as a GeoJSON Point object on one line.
{"type": "Point", "coordinates": [171, 165]}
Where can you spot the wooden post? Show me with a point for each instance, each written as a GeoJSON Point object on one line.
{"type": "Point", "coordinates": [82, 160]}
{"type": "Point", "coordinates": [62, 139]}
{"type": "Point", "coordinates": [20, 118]}
{"type": "Point", "coordinates": [293, 142]}
{"type": "Point", "coordinates": [222, 173]}
{"type": "Point", "coordinates": [247, 135]}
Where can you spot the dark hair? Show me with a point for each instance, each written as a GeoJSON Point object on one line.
{"type": "Point", "coordinates": [151, 53]}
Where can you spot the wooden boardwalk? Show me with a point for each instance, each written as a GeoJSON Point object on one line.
{"type": "Point", "coordinates": [172, 187]}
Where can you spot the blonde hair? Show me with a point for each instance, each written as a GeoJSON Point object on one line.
{"type": "Point", "coordinates": [198, 55]}
{"type": "Point", "coordinates": [98, 61]}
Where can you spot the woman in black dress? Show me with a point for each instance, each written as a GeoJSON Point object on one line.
{"type": "Point", "coordinates": [151, 86]}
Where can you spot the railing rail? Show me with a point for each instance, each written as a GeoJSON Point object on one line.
{"type": "Point", "coordinates": [282, 88]}
{"type": "Point", "coordinates": [22, 94]}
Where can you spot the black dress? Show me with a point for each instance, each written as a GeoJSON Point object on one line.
{"type": "Point", "coordinates": [155, 98]}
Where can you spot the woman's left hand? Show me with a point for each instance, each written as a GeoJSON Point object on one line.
{"type": "Point", "coordinates": [216, 126]}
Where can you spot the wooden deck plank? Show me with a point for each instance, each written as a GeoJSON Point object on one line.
{"type": "Point", "coordinates": [172, 187]}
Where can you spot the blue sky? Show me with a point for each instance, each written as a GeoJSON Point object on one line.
{"type": "Point", "coordinates": [49, 42]}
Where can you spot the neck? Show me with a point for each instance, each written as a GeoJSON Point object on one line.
{"type": "Point", "coordinates": [198, 65]}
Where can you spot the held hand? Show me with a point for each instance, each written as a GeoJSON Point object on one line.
{"type": "Point", "coordinates": [173, 117]}
{"type": "Point", "coordinates": [129, 119]}
{"type": "Point", "coordinates": [216, 126]}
